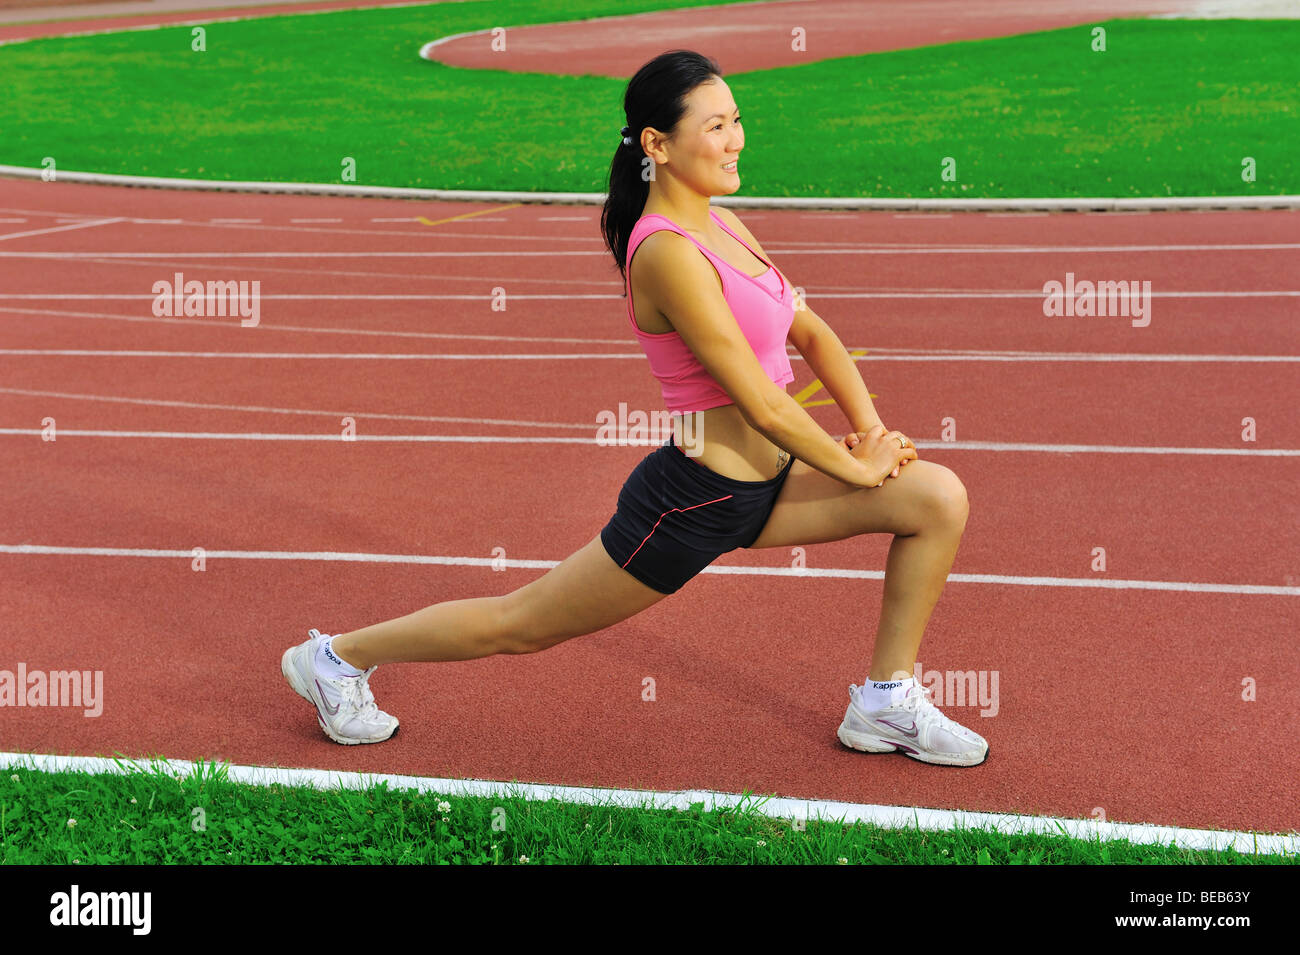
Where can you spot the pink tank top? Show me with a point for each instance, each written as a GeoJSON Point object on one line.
{"type": "Point", "coordinates": [763, 308]}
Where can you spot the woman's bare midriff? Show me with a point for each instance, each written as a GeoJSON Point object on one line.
{"type": "Point", "coordinates": [725, 443]}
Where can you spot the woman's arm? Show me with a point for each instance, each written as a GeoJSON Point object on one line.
{"type": "Point", "coordinates": [831, 362]}
{"type": "Point", "coordinates": [820, 347]}
{"type": "Point", "coordinates": [687, 292]}
{"type": "Point", "coordinates": [828, 359]}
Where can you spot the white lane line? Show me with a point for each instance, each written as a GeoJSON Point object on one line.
{"type": "Point", "coordinates": [12, 221]}
{"type": "Point", "coordinates": [569, 356]}
{"type": "Point", "coordinates": [260, 409]}
{"type": "Point", "coordinates": [41, 550]}
{"type": "Point", "coordinates": [318, 271]}
{"type": "Point", "coordinates": [944, 354]}
{"type": "Point", "coordinates": [60, 228]}
{"type": "Point", "coordinates": [775, 807]}
{"type": "Point", "coordinates": [386, 333]}
{"type": "Point", "coordinates": [1068, 357]}
{"type": "Point", "coordinates": [609, 296]}
{"type": "Point", "coordinates": [316, 297]}
{"type": "Point", "coordinates": [602, 253]}
{"type": "Point", "coordinates": [650, 441]}
{"type": "Point", "coordinates": [315, 220]}
{"type": "Point", "coordinates": [876, 354]}
{"type": "Point", "coordinates": [73, 352]}
{"type": "Point", "coordinates": [1037, 294]}
{"type": "Point", "coordinates": [362, 253]}
{"type": "Point", "coordinates": [749, 214]}
{"type": "Point", "coordinates": [1101, 449]}
{"type": "Point", "coordinates": [564, 219]}
{"type": "Point", "coordinates": [335, 436]}
{"type": "Point", "coordinates": [157, 221]}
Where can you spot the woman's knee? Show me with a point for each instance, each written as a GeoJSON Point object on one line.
{"type": "Point", "coordinates": [942, 498]}
{"type": "Point", "coordinates": [952, 503]}
{"type": "Point", "coordinates": [521, 630]}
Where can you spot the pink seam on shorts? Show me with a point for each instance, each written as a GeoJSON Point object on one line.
{"type": "Point", "coordinates": [665, 514]}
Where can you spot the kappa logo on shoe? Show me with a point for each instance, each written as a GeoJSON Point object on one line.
{"type": "Point", "coordinates": [905, 730]}
{"type": "Point", "coordinates": [331, 710]}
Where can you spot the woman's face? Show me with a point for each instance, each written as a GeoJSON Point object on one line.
{"type": "Point", "coordinates": [708, 137]}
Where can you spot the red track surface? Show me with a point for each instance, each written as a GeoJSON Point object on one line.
{"type": "Point", "coordinates": [741, 37]}
{"type": "Point", "coordinates": [15, 31]}
{"type": "Point", "coordinates": [1126, 699]}
{"type": "Point", "coordinates": [762, 35]}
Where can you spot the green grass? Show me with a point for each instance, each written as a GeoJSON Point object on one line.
{"type": "Point", "coordinates": [146, 816]}
{"type": "Point", "coordinates": [1170, 108]}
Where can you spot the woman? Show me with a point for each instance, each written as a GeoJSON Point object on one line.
{"type": "Point", "coordinates": [756, 471]}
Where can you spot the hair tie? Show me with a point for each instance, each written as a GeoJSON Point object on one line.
{"type": "Point", "coordinates": [625, 132]}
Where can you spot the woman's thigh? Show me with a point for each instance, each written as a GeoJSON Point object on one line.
{"type": "Point", "coordinates": [813, 507]}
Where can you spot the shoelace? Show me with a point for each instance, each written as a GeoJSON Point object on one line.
{"type": "Point", "coordinates": [918, 703]}
{"type": "Point", "coordinates": [356, 691]}
{"type": "Point", "coordinates": [360, 688]}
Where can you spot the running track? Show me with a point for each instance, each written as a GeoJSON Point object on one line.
{"type": "Point", "coordinates": [1124, 697]}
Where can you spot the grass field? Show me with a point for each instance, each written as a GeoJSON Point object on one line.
{"type": "Point", "coordinates": [1169, 108]}
{"type": "Point", "coordinates": [146, 816]}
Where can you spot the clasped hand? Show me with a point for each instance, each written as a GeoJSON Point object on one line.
{"type": "Point", "coordinates": [884, 450]}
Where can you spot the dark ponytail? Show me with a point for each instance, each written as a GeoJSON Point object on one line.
{"type": "Point", "coordinates": [656, 96]}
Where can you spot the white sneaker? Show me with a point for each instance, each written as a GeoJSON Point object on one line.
{"type": "Point", "coordinates": [913, 726]}
{"type": "Point", "coordinates": [345, 708]}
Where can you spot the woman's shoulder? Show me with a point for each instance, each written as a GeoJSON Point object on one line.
{"type": "Point", "coordinates": [656, 230]}
{"type": "Point", "coordinates": [663, 247]}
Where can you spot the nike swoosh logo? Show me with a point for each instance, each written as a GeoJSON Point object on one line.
{"type": "Point", "coordinates": [905, 730]}
{"type": "Point", "coordinates": [331, 710]}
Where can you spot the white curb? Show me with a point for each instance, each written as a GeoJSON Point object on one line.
{"type": "Point", "coordinates": [890, 817]}
{"type": "Point", "coordinates": [1099, 204]}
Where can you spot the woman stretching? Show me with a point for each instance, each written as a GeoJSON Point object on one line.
{"type": "Point", "coordinates": [749, 468]}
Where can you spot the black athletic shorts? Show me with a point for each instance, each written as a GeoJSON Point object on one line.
{"type": "Point", "coordinates": [675, 517]}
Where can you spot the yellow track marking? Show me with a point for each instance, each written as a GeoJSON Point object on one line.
{"type": "Point", "coordinates": [804, 394]}
{"type": "Point", "coordinates": [467, 215]}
